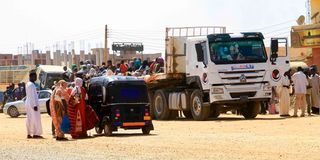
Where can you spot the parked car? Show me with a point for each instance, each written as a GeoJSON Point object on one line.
{"type": "Point", "coordinates": [17, 108]}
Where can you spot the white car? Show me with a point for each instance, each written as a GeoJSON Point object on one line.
{"type": "Point", "coordinates": [16, 108]}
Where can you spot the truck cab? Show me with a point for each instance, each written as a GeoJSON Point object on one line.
{"type": "Point", "coordinates": [219, 72]}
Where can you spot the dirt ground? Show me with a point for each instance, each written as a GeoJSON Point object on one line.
{"type": "Point", "coordinates": [229, 137]}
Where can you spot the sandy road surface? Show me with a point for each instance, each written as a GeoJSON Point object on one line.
{"type": "Point", "coordinates": [229, 137]}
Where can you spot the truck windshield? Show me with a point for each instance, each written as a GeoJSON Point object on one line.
{"type": "Point", "coordinates": [238, 50]}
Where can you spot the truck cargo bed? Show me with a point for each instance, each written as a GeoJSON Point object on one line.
{"type": "Point", "coordinates": [163, 80]}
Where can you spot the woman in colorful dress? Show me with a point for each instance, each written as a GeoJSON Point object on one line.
{"type": "Point", "coordinates": [76, 110]}
{"type": "Point", "coordinates": [58, 107]}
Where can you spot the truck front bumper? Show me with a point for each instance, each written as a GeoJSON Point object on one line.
{"type": "Point", "coordinates": [239, 101]}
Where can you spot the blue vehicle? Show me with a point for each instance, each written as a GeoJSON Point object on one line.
{"type": "Point", "coordinates": [120, 102]}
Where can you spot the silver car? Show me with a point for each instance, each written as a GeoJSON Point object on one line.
{"type": "Point", "coordinates": [16, 108]}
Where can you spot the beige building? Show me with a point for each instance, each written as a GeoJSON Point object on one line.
{"type": "Point", "coordinates": [7, 60]}
{"type": "Point", "coordinates": [296, 54]}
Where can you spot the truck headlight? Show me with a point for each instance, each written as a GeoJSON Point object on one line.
{"type": "Point", "coordinates": [267, 87]}
{"type": "Point", "coordinates": [217, 91]}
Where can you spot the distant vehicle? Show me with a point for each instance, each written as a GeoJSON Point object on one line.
{"type": "Point", "coordinates": [294, 65]}
{"type": "Point", "coordinates": [17, 108]}
{"type": "Point", "coordinates": [120, 102]}
{"type": "Point", "coordinates": [47, 74]}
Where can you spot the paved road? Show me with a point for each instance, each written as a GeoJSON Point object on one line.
{"type": "Point", "coordinates": [229, 137]}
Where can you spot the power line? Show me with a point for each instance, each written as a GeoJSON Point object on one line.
{"type": "Point", "coordinates": [267, 27]}
{"type": "Point", "coordinates": [135, 36]}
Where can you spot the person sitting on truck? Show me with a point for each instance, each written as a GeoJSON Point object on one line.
{"type": "Point", "coordinates": [144, 68]}
{"type": "Point", "coordinates": [111, 66]}
{"type": "Point", "coordinates": [137, 63]}
{"type": "Point", "coordinates": [156, 66]}
{"type": "Point", "coordinates": [123, 67]}
{"type": "Point", "coordinates": [223, 54]}
{"type": "Point", "coordinates": [131, 67]}
{"type": "Point", "coordinates": [102, 67]}
{"type": "Point", "coordinates": [235, 53]}
{"type": "Point", "coordinates": [117, 71]}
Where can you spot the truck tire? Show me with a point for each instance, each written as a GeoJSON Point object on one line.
{"type": "Point", "coordinates": [215, 111]}
{"type": "Point", "coordinates": [198, 110]}
{"type": "Point", "coordinates": [187, 114]}
{"type": "Point", "coordinates": [161, 109]}
{"type": "Point", "coordinates": [251, 110]}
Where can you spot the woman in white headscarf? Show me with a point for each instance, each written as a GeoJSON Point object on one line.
{"type": "Point", "coordinates": [76, 110]}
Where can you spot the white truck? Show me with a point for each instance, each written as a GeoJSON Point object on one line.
{"type": "Point", "coordinates": [208, 71]}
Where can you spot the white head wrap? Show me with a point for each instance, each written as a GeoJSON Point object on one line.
{"type": "Point", "coordinates": [77, 88]}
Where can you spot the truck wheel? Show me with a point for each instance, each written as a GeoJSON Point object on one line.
{"type": "Point", "coordinates": [251, 110]}
{"type": "Point", "coordinates": [161, 109]}
{"type": "Point", "coordinates": [198, 110]}
{"type": "Point", "coordinates": [215, 111]}
{"type": "Point", "coordinates": [187, 114]}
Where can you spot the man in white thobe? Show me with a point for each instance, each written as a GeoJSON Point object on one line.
{"type": "Point", "coordinates": [300, 83]}
{"type": "Point", "coordinates": [284, 95]}
{"type": "Point", "coordinates": [33, 121]}
{"type": "Point", "coordinates": [315, 91]}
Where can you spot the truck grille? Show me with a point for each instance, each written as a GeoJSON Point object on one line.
{"type": "Point", "coordinates": [239, 94]}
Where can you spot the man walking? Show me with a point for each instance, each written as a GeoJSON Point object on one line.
{"type": "Point", "coordinates": [300, 83]}
{"type": "Point", "coordinates": [315, 91]}
{"type": "Point", "coordinates": [308, 95]}
{"type": "Point", "coordinates": [33, 120]}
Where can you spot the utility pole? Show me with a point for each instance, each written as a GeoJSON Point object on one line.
{"type": "Point", "coordinates": [106, 53]}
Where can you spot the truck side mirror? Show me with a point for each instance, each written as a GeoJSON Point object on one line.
{"type": "Point", "coordinates": [274, 46]}
{"type": "Point", "coordinates": [200, 54]}
{"type": "Point", "coordinates": [274, 50]}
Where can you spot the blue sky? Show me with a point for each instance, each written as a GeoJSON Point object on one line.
{"type": "Point", "coordinates": [47, 23]}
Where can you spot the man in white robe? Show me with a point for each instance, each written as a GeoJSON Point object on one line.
{"type": "Point", "coordinates": [284, 95]}
{"type": "Point", "coordinates": [307, 72]}
{"type": "Point", "coordinates": [33, 121]}
{"type": "Point", "coordinates": [315, 91]}
{"type": "Point", "coordinates": [300, 83]}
